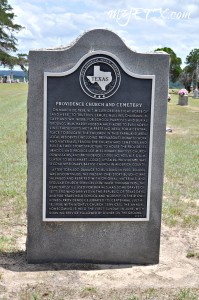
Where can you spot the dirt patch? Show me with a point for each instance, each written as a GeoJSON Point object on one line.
{"type": "Point", "coordinates": [176, 271]}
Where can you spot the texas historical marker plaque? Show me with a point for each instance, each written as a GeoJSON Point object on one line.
{"type": "Point", "coordinates": [97, 146]}
{"type": "Point", "coordinates": [96, 142]}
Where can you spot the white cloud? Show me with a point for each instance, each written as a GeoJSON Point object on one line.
{"type": "Point", "coordinates": [148, 24]}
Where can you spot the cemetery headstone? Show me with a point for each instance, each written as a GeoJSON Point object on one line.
{"type": "Point", "coordinates": [96, 142]}
{"type": "Point", "coordinates": [8, 80]}
{"type": "Point", "coordinates": [183, 100]}
{"type": "Point", "coordinates": [195, 94]}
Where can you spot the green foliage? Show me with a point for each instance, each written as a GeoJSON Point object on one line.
{"type": "Point", "coordinates": [186, 78]}
{"type": "Point", "coordinates": [11, 61]}
{"type": "Point", "coordinates": [8, 42]}
{"type": "Point", "coordinates": [192, 61]}
{"type": "Point", "coordinates": [7, 27]}
{"type": "Point", "coordinates": [22, 61]}
{"type": "Point", "coordinates": [175, 63]}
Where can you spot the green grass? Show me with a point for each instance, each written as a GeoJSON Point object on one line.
{"type": "Point", "coordinates": [186, 294]}
{"type": "Point", "coordinates": [181, 188]}
{"type": "Point", "coordinates": [191, 254]}
{"type": "Point", "coordinates": [13, 157]}
{"type": "Point", "coordinates": [181, 185]}
{"type": "Point", "coordinates": [44, 291]}
{"type": "Point", "coordinates": [7, 244]}
{"type": "Point", "coordinates": [88, 291]}
{"type": "Point", "coordinates": [133, 298]}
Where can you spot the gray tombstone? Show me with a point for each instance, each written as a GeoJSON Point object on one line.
{"type": "Point", "coordinates": [8, 79]}
{"type": "Point", "coordinates": [96, 143]}
{"type": "Point", "coordinates": [195, 94]}
{"type": "Point", "coordinates": [183, 100]}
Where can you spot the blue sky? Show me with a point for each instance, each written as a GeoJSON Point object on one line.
{"type": "Point", "coordinates": [143, 25]}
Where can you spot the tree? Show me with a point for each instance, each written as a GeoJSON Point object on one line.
{"type": "Point", "coordinates": [192, 61]}
{"type": "Point", "coordinates": [22, 61]}
{"type": "Point", "coordinates": [8, 43]}
{"type": "Point", "coordinates": [175, 64]}
{"type": "Point", "coordinates": [186, 78]}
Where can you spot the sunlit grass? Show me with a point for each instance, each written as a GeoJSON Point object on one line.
{"type": "Point", "coordinates": [13, 153]}
{"type": "Point", "coordinates": [181, 185]}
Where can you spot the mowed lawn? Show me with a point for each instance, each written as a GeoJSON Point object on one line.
{"type": "Point", "coordinates": [13, 165]}
{"type": "Point", "coordinates": [181, 184]}
{"type": "Point", "coordinates": [181, 188]}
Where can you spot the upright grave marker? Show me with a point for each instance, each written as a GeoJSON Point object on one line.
{"type": "Point", "coordinates": [96, 134]}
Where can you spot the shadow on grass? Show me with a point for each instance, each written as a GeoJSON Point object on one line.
{"type": "Point", "coordinates": [16, 262]}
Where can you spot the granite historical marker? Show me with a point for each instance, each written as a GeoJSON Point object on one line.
{"type": "Point", "coordinates": [97, 142]}
{"type": "Point", "coordinates": [97, 126]}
